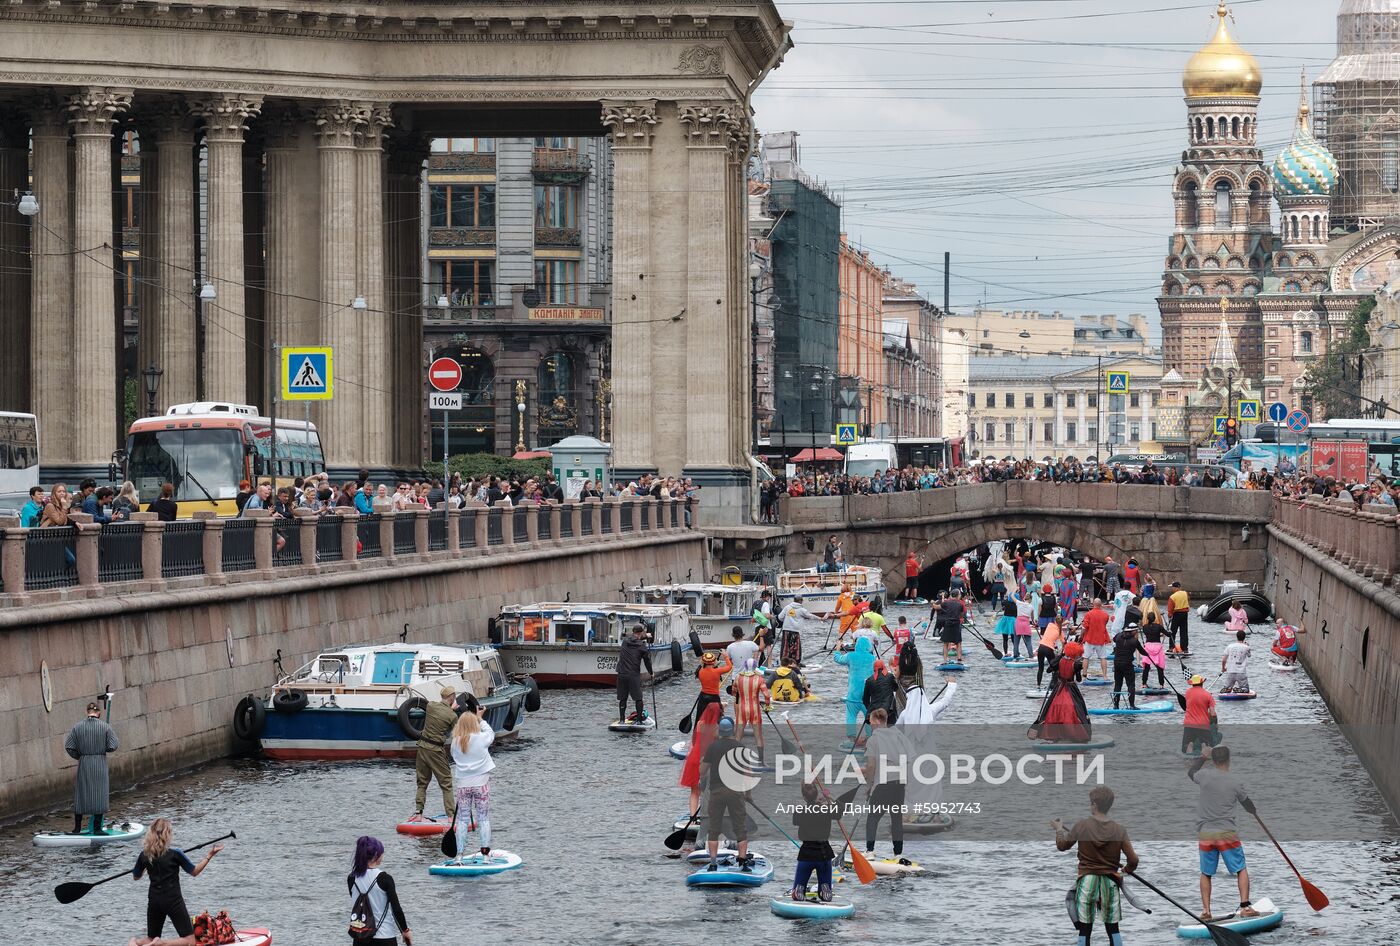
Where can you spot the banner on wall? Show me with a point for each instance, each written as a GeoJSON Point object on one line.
{"type": "Point", "coordinates": [1341, 459]}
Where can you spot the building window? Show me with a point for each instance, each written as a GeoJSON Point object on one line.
{"type": "Point", "coordinates": [1273, 368]}
{"type": "Point", "coordinates": [557, 144]}
{"type": "Point", "coordinates": [1273, 349]}
{"type": "Point", "coordinates": [1154, 430]}
{"type": "Point", "coordinates": [972, 400]}
{"type": "Point", "coordinates": [1049, 400]}
{"type": "Point", "coordinates": [1093, 400]}
{"type": "Point", "coordinates": [556, 205]}
{"type": "Point", "coordinates": [1156, 398]}
{"type": "Point", "coordinates": [1305, 342]}
{"type": "Point", "coordinates": [991, 400]}
{"type": "Point", "coordinates": [559, 397]}
{"type": "Point", "coordinates": [1049, 431]}
{"type": "Point", "coordinates": [1010, 429]}
{"type": "Point", "coordinates": [991, 432]}
{"type": "Point", "coordinates": [1069, 402]}
{"type": "Point", "coordinates": [462, 205]}
{"type": "Point", "coordinates": [465, 282]}
{"type": "Point", "coordinates": [1273, 332]}
{"type": "Point", "coordinates": [1093, 435]}
{"type": "Point", "coordinates": [1008, 399]}
{"type": "Point", "coordinates": [131, 206]}
{"type": "Point", "coordinates": [1071, 432]}
{"type": "Point", "coordinates": [131, 282]}
{"type": "Point", "coordinates": [1134, 432]}
{"type": "Point", "coordinates": [1135, 400]}
{"type": "Point", "coordinates": [557, 280]}
{"type": "Point", "coordinates": [1030, 400]}
{"type": "Point", "coordinates": [1222, 204]}
{"type": "Point", "coordinates": [464, 145]}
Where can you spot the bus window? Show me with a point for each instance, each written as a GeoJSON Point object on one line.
{"type": "Point", "coordinates": [204, 463]}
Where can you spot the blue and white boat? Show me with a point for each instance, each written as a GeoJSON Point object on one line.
{"type": "Point", "coordinates": [366, 702]}
{"type": "Point", "coordinates": [563, 644]}
{"type": "Point", "coordinates": [820, 589]}
{"type": "Point", "coordinates": [713, 609]}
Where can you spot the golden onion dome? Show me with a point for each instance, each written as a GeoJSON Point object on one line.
{"type": "Point", "coordinates": [1222, 67]}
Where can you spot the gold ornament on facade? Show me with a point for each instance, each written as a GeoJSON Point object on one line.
{"type": "Point", "coordinates": [1222, 67]}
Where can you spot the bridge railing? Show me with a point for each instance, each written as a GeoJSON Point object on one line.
{"type": "Point", "coordinates": [1365, 540]}
{"type": "Point", "coordinates": [143, 554]}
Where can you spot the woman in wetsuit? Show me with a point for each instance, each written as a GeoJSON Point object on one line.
{"type": "Point", "coordinates": [163, 863]}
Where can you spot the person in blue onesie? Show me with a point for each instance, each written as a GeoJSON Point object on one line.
{"type": "Point", "coordinates": [861, 664]}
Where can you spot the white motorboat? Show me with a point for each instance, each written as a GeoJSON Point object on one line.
{"type": "Point", "coordinates": [564, 644]}
{"type": "Point", "coordinates": [824, 587]}
{"type": "Point", "coordinates": [713, 609]}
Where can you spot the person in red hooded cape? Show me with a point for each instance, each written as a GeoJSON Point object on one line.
{"type": "Point", "coordinates": [1064, 717]}
{"type": "Point", "coordinates": [705, 731]}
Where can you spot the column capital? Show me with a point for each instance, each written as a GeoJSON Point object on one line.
{"type": "Point", "coordinates": [336, 124]}
{"type": "Point", "coordinates": [94, 111]}
{"type": "Point", "coordinates": [631, 123]}
{"type": "Point", "coordinates": [281, 123]}
{"type": "Point", "coordinates": [407, 150]}
{"type": "Point", "coordinates": [708, 124]}
{"type": "Point", "coordinates": [226, 115]}
{"type": "Point", "coordinates": [168, 120]}
{"type": "Point", "coordinates": [375, 119]}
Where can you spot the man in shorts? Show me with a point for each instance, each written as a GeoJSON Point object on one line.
{"type": "Point", "coordinates": [724, 800]}
{"type": "Point", "coordinates": [1097, 643]}
{"type": "Point", "coordinates": [1234, 664]}
{"type": "Point", "coordinates": [1217, 836]}
{"type": "Point", "coordinates": [1101, 841]}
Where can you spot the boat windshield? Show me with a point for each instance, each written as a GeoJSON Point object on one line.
{"type": "Point", "coordinates": [491, 663]}
{"type": "Point", "coordinates": [571, 630]}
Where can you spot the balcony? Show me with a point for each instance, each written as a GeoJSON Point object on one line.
{"type": "Point", "coordinates": [462, 236]}
{"type": "Point", "coordinates": [561, 165]}
{"type": "Point", "coordinates": [557, 236]}
{"type": "Point", "coordinates": [466, 161]}
{"type": "Point", "coordinates": [465, 313]}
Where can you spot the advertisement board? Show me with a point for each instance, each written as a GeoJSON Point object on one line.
{"type": "Point", "coordinates": [1341, 459]}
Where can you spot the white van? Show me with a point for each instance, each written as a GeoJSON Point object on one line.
{"type": "Point", "coordinates": [871, 457]}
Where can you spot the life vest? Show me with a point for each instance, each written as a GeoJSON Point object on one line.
{"type": "Point", "coordinates": [784, 686]}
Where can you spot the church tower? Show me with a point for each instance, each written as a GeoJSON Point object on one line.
{"type": "Point", "coordinates": [1223, 237]}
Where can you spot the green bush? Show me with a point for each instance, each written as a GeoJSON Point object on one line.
{"type": "Point", "coordinates": [481, 465]}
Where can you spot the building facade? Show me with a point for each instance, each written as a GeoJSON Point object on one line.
{"type": "Point", "coordinates": [517, 234]}
{"type": "Point", "coordinates": [1008, 331]}
{"type": "Point", "coordinates": [915, 391]}
{"type": "Point", "coordinates": [860, 355]}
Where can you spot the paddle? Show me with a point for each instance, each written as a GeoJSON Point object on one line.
{"type": "Point", "coordinates": [753, 804]}
{"type": "Point", "coordinates": [1181, 700]}
{"type": "Point", "coordinates": [985, 643]}
{"type": "Point", "coordinates": [786, 746]}
{"type": "Point", "coordinates": [687, 721]}
{"type": "Point", "coordinates": [676, 838]}
{"type": "Point", "coordinates": [864, 872]}
{"type": "Point", "coordinates": [449, 840]}
{"type": "Point", "coordinates": [76, 889]}
{"type": "Point", "coordinates": [1219, 934]}
{"type": "Point", "coordinates": [1316, 898]}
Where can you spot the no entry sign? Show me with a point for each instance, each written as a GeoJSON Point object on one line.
{"type": "Point", "coordinates": [445, 374]}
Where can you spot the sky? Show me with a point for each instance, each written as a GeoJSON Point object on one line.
{"type": "Point", "coordinates": [1035, 140]}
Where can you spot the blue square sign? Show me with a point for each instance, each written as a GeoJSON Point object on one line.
{"type": "Point", "coordinates": [306, 374]}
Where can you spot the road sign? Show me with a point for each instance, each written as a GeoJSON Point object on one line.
{"type": "Point", "coordinates": [444, 374]}
{"type": "Point", "coordinates": [1117, 382]}
{"type": "Point", "coordinates": [306, 374]}
{"type": "Point", "coordinates": [1220, 424]}
{"type": "Point", "coordinates": [1278, 412]}
{"type": "Point", "coordinates": [1247, 410]}
{"type": "Point", "coordinates": [1208, 454]}
{"type": "Point", "coordinates": [1298, 421]}
{"type": "Point", "coordinates": [846, 435]}
{"type": "Point", "coordinates": [438, 401]}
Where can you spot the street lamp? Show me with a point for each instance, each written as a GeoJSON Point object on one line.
{"type": "Point", "coordinates": [520, 412]}
{"type": "Point", "coordinates": [359, 304]}
{"type": "Point", "coordinates": [207, 292]}
{"type": "Point", "coordinates": [28, 205]}
{"type": "Point", "coordinates": [151, 376]}
{"type": "Point", "coordinates": [755, 271]}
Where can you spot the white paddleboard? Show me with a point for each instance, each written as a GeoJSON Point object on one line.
{"type": "Point", "coordinates": [1278, 665]}
{"type": "Point", "coordinates": [888, 866]}
{"type": "Point", "coordinates": [1269, 917]}
{"type": "Point", "coordinates": [477, 865]}
{"type": "Point", "coordinates": [618, 725]}
{"type": "Point", "coordinates": [112, 834]}
{"type": "Point", "coordinates": [1036, 694]}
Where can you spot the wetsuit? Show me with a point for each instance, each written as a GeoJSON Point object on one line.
{"type": "Point", "coordinates": [165, 900]}
{"type": "Point", "coordinates": [1126, 647]}
{"type": "Point", "coordinates": [630, 658]}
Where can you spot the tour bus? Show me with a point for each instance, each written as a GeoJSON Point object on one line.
{"type": "Point", "coordinates": [19, 460]}
{"type": "Point", "coordinates": [206, 448]}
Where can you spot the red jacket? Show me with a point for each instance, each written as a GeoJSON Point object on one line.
{"type": "Point", "coordinates": [1095, 626]}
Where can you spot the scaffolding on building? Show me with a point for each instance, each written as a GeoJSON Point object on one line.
{"type": "Point", "coordinates": [1356, 108]}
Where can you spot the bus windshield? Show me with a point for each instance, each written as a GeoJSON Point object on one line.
{"type": "Point", "coordinates": [203, 464]}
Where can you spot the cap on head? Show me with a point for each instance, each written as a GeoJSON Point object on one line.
{"type": "Point", "coordinates": [1198, 680]}
{"type": "Point", "coordinates": [726, 726]}
{"type": "Point", "coordinates": [448, 691]}
{"type": "Point", "coordinates": [709, 658]}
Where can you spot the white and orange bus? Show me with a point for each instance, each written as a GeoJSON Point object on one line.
{"type": "Point", "coordinates": [206, 448]}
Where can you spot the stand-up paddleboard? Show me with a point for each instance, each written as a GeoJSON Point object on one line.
{"type": "Point", "coordinates": [1280, 665]}
{"type": "Point", "coordinates": [420, 826]}
{"type": "Point", "coordinates": [628, 725]}
{"type": "Point", "coordinates": [1156, 706]}
{"type": "Point", "coordinates": [1179, 656]}
{"type": "Point", "coordinates": [887, 866]}
{"type": "Point", "coordinates": [478, 865]}
{"type": "Point", "coordinates": [1034, 694]}
{"type": "Point", "coordinates": [1052, 747]}
{"type": "Point", "coordinates": [111, 834]}
{"type": "Point", "coordinates": [729, 873]}
{"type": "Point", "coordinates": [809, 698]}
{"type": "Point", "coordinates": [679, 750]}
{"type": "Point", "coordinates": [927, 823]}
{"type": "Point", "coordinates": [951, 667]}
{"type": "Point", "coordinates": [1019, 664]}
{"type": "Point", "coordinates": [256, 936]}
{"type": "Point", "coordinates": [1247, 695]}
{"type": "Point", "coordinates": [1269, 917]}
{"type": "Point", "coordinates": [810, 909]}
{"type": "Point", "coordinates": [1154, 691]}
{"type": "Point", "coordinates": [811, 668]}
{"type": "Point", "coordinates": [1096, 682]}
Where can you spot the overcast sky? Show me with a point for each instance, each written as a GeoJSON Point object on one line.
{"type": "Point", "coordinates": [1033, 139]}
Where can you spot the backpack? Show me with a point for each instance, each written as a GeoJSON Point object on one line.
{"type": "Point", "coordinates": [214, 931]}
{"type": "Point", "coordinates": [363, 925]}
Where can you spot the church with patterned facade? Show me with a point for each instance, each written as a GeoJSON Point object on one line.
{"type": "Point", "coordinates": [1282, 292]}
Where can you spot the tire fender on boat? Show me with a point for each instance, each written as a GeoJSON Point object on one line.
{"type": "Point", "coordinates": [677, 657]}
{"type": "Point", "coordinates": [512, 715]}
{"type": "Point", "coordinates": [412, 728]}
{"type": "Point", "coordinates": [289, 701]}
{"type": "Point", "coordinates": [695, 644]}
{"type": "Point", "coordinates": [249, 718]}
{"type": "Point", "coordinates": [532, 695]}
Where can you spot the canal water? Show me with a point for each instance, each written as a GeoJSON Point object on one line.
{"type": "Point", "coordinates": [587, 810]}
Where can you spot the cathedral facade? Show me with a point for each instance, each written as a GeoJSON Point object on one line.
{"type": "Point", "coordinates": [1282, 293]}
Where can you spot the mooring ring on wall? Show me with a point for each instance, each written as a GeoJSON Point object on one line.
{"type": "Point", "coordinates": [229, 638]}
{"type": "Point", "coordinates": [46, 686]}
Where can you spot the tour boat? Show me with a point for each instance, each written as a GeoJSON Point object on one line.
{"type": "Point", "coordinates": [824, 587]}
{"type": "Point", "coordinates": [713, 609]}
{"type": "Point", "coordinates": [1256, 605]}
{"type": "Point", "coordinates": [564, 644]}
{"type": "Point", "coordinates": [366, 702]}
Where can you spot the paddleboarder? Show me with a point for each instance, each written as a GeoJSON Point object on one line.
{"type": "Point", "coordinates": [751, 697]}
{"type": "Point", "coordinates": [1236, 619]}
{"type": "Point", "coordinates": [630, 658]}
{"type": "Point", "coordinates": [1006, 624]}
{"type": "Point", "coordinates": [813, 819]}
{"type": "Point", "coordinates": [1050, 638]}
{"type": "Point", "coordinates": [794, 618]}
{"type": "Point", "coordinates": [1217, 837]}
{"type": "Point", "coordinates": [948, 615]}
{"type": "Point", "coordinates": [1152, 632]}
{"type": "Point", "coordinates": [1025, 627]}
{"type": "Point", "coordinates": [163, 863]}
{"type": "Point", "coordinates": [1094, 631]}
{"type": "Point", "coordinates": [860, 664]}
{"type": "Point", "coordinates": [1064, 717]}
{"type": "Point", "coordinates": [916, 721]}
{"type": "Point", "coordinates": [1126, 648]}
{"type": "Point", "coordinates": [89, 742]}
{"type": "Point", "coordinates": [1178, 616]}
{"type": "Point", "coordinates": [1101, 842]}
{"type": "Point", "coordinates": [741, 649]}
{"type": "Point", "coordinates": [431, 761]}
{"type": "Point", "coordinates": [1286, 647]}
{"type": "Point", "coordinates": [887, 752]}
{"type": "Point", "coordinates": [1234, 664]}
{"type": "Point", "coordinates": [705, 731]}
{"type": "Point", "coordinates": [879, 690]}
{"type": "Point", "coordinates": [913, 565]}
{"type": "Point", "coordinates": [711, 675]}
{"type": "Point", "coordinates": [787, 685]}
{"type": "Point", "coordinates": [763, 624]}
{"type": "Point", "coordinates": [1067, 591]}
{"type": "Point", "coordinates": [1197, 725]}
{"type": "Point", "coordinates": [471, 773]}
{"type": "Point", "coordinates": [724, 800]}
{"type": "Point", "coordinates": [376, 918]}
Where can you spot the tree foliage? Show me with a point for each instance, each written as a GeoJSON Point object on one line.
{"type": "Point", "coordinates": [480, 465]}
{"type": "Point", "coordinates": [1333, 380]}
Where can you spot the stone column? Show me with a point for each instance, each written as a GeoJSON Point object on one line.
{"type": "Point", "coordinates": [632, 125]}
{"type": "Point", "coordinates": [93, 113]}
{"type": "Point", "coordinates": [170, 267]}
{"type": "Point", "coordinates": [335, 129]}
{"type": "Point", "coordinates": [15, 375]}
{"type": "Point", "coordinates": [292, 248]}
{"type": "Point", "coordinates": [376, 322]}
{"type": "Point", "coordinates": [259, 363]}
{"type": "Point", "coordinates": [404, 291]}
{"type": "Point", "coordinates": [1082, 399]}
{"type": "Point", "coordinates": [1059, 418]}
{"type": "Point", "coordinates": [225, 346]}
{"type": "Point", "coordinates": [51, 301]}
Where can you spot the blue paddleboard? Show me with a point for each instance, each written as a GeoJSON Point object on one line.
{"type": "Point", "coordinates": [809, 909]}
{"type": "Point", "coordinates": [1156, 706]}
{"type": "Point", "coordinates": [477, 865]}
{"type": "Point", "coordinates": [730, 874]}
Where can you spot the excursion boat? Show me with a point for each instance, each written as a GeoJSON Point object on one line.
{"type": "Point", "coordinates": [825, 587]}
{"type": "Point", "coordinates": [1255, 603]}
{"type": "Point", "coordinates": [713, 609]}
{"type": "Point", "coordinates": [562, 644]}
{"type": "Point", "coordinates": [368, 702]}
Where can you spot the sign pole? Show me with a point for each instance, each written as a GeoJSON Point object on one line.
{"type": "Point", "coordinates": [272, 445]}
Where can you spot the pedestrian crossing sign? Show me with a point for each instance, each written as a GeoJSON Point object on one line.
{"type": "Point", "coordinates": [846, 434]}
{"type": "Point", "coordinates": [1117, 382]}
{"type": "Point", "coordinates": [306, 374]}
{"type": "Point", "coordinates": [1220, 424]}
{"type": "Point", "coordinates": [1247, 410]}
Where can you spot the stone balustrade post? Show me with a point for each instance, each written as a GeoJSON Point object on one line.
{"type": "Point", "coordinates": [483, 525]}
{"type": "Point", "coordinates": [86, 551]}
{"type": "Point", "coordinates": [349, 533]}
{"type": "Point", "coordinates": [263, 537]}
{"type": "Point", "coordinates": [213, 545]}
{"type": "Point", "coordinates": [386, 534]}
{"type": "Point", "coordinates": [12, 566]}
{"type": "Point", "coordinates": [1387, 546]}
{"type": "Point", "coordinates": [591, 512]}
{"type": "Point", "coordinates": [612, 508]}
{"type": "Point", "coordinates": [307, 522]}
{"type": "Point", "coordinates": [532, 520]}
{"type": "Point", "coordinates": [574, 510]}
{"type": "Point", "coordinates": [420, 531]}
{"type": "Point", "coordinates": [650, 510]}
{"type": "Point", "coordinates": [555, 512]}
{"type": "Point", "coordinates": [453, 535]}
{"type": "Point", "coordinates": [505, 510]}
{"type": "Point", "coordinates": [152, 544]}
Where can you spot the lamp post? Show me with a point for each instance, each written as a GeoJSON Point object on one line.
{"type": "Point", "coordinates": [151, 377]}
{"type": "Point", "coordinates": [520, 412]}
{"type": "Point", "coordinates": [755, 271]}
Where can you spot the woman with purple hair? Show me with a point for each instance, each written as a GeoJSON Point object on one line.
{"type": "Point", "coordinates": [376, 919]}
